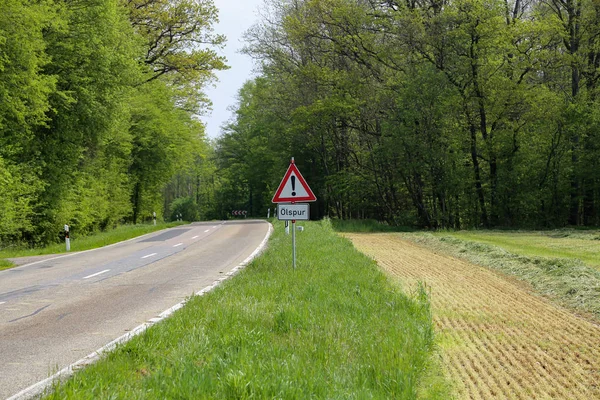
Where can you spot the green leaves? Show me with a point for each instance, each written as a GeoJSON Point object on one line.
{"type": "Point", "coordinates": [176, 36]}
{"type": "Point", "coordinates": [97, 105]}
{"type": "Point", "coordinates": [438, 115]}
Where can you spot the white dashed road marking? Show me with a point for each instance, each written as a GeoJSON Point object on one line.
{"type": "Point", "coordinates": [2, 302]}
{"type": "Point", "coordinates": [206, 230]}
{"type": "Point", "coordinates": [96, 274]}
{"type": "Point", "coordinates": [177, 245]}
{"type": "Point", "coordinates": [149, 255]}
{"type": "Point", "coordinates": [195, 237]}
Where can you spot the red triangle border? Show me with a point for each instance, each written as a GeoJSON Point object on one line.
{"type": "Point", "coordinates": [278, 199]}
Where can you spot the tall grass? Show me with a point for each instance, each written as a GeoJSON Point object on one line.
{"type": "Point", "coordinates": [5, 264]}
{"type": "Point", "coordinates": [334, 327]}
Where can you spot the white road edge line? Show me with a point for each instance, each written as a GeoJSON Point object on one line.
{"type": "Point", "coordinates": [195, 237]}
{"type": "Point", "coordinates": [149, 255]}
{"type": "Point", "coordinates": [177, 245]}
{"type": "Point", "coordinates": [96, 274]}
{"type": "Point", "coordinates": [39, 388]}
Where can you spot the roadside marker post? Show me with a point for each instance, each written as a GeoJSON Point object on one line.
{"type": "Point", "coordinates": [292, 189]}
{"type": "Point", "coordinates": [67, 238]}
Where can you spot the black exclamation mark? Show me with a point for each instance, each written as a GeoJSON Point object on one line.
{"type": "Point", "coordinates": [293, 185]}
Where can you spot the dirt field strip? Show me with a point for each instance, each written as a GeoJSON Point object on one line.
{"type": "Point", "coordinates": [498, 340]}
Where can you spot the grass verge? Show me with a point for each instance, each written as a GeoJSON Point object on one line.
{"type": "Point", "coordinates": [567, 281]}
{"type": "Point", "coordinates": [6, 264]}
{"type": "Point", "coordinates": [335, 327]}
{"type": "Point", "coordinates": [121, 233]}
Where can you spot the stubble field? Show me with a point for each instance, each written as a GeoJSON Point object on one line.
{"type": "Point", "coordinates": [497, 339]}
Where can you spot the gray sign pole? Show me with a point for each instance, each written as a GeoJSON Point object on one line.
{"type": "Point", "coordinates": [294, 243]}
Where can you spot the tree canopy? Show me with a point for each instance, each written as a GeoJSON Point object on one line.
{"type": "Point", "coordinates": [99, 101]}
{"type": "Point", "coordinates": [446, 114]}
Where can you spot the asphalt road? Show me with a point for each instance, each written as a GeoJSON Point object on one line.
{"type": "Point", "coordinates": [57, 311]}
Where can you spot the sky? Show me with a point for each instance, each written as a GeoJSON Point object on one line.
{"type": "Point", "coordinates": [235, 17]}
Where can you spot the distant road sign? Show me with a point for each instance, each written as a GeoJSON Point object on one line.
{"type": "Point", "coordinates": [292, 212]}
{"type": "Point", "coordinates": [293, 187]}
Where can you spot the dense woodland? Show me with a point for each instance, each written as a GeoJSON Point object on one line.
{"type": "Point", "coordinates": [99, 105]}
{"type": "Point", "coordinates": [438, 114]}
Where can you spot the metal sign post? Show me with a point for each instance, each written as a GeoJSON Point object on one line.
{"type": "Point", "coordinates": [293, 243]}
{"type": "Point", "coordinates": [293, 188]}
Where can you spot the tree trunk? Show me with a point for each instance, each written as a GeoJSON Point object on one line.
{"type": "Point", "coordinates": [136, 201]}
{"type": "Point", "coordinates": [477, 173]}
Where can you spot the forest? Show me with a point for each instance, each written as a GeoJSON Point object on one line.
{"type": "Point", "coordinates": [99, 105]}
{"type": "Point", "coordinates": [439, 114]}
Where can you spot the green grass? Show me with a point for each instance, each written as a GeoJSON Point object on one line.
{"type": "Point", "coordinates": [335, 327]}
{"type": "Point", "coordinates": [5, 264]}
{"type": "Point", "coordinates": [366, 226]}
{"type": "Point", "coordinates": [94, 241]}
{"type": "Point", "coordinates": [551, 262]}
{"type": "Point", "coordinates": [554, 244]}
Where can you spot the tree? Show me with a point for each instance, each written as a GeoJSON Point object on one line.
{"type": "Point", "coordinates": [178, 38]}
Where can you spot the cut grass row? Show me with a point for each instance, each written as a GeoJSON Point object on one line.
{"type": "Point", "coordinates": [566, 280]}
{"type": "Point", "coordinates": [335, 327]}
{"type": "Point", "coordinates": [563, 265]}
{"type": "Point", "coordinates": [583, 246]}
{"type": "Point", "coordinates": [100, 239]}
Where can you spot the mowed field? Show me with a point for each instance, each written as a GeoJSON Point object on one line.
{"type": "Point", "coordinates": [582, 245]}
{"type": "Point", "coordinates": [497, 339]}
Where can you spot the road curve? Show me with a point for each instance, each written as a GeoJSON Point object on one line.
{"type": "Point", "coordinates": [56, 311]}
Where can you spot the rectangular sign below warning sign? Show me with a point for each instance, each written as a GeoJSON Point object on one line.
{"type": "Point", "coordinates": [289, 212]}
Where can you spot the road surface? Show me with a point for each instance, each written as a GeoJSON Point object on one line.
{"type": "Point", "coordinates": [56, 311]}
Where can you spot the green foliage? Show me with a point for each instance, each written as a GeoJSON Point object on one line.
{"type": "Point", "coordinates": [17, 190]}
{"type": "Point", "coordinates": [5, 264]}
{"type": "Point", "coordinates": [24, 88]}
{"type": "Point", "coordinates": [366, 226]}
{"type": "Point", "coordinates": [184, 206]}
{"type": "Point", "coordinates": [175, 35]}
{"type": "Point", "coordinates": [165, 138]}
{"type": "Point", "coordinates": [324, 330]}
{"type": "Point", "coordinates": [91, 129]}
{"type": "Point", "coordinates": [24, 102]}
{"type": "Point", "coordinates": [469, 113]}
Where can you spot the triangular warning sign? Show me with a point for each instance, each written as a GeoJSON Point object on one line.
{"type": "Point", "coordinates": [293, 187]}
